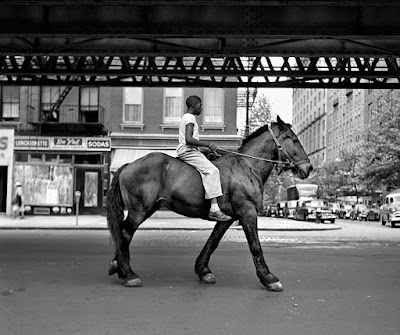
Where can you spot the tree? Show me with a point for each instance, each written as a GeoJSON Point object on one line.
{"type": "Point", "coordinates": [382, 143]}
{"type": "Point", "coordinates": [327, 179]}
{"type": "Point", "coordinates": [260, 113]}
{"type": "Point", "coordinates": [350, 171]}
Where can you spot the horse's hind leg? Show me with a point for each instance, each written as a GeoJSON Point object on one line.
{"type": "Point", "coordinates": [121, 263]}
{"type": "Point", "coordinates": [201, 267]}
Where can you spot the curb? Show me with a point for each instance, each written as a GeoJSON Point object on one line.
{"type": "Point", "coordinates": [169, 228]}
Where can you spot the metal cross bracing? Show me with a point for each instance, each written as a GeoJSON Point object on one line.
{"type": "Point", "coordinates": [291, 43]}
{"type": "Point", "coordinates": [201, 71]}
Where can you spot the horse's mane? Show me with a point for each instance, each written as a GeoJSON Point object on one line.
{"type": "Point", "coordinates": [255, 134]}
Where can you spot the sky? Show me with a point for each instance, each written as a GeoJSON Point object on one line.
{"type": "Point", "coordinates": [280, 100]}
{"type": "Point", "coordinates": [281, 104]}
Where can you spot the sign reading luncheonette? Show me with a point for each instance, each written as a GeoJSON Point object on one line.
{"type": "Point", "coordinates": [62, 143]}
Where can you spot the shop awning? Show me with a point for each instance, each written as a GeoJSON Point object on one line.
{"type": "Point", "coordinates": [123, 156]}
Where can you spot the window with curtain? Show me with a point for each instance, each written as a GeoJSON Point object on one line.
{"type": "Point", "coordinates": [133, 108]}
{"type": "Point", "coordinates": [173, 106]}
{"type": "Point", "coordinates": [49, 96]}
{"type": "Point", "coordinates": [89, 99]}
{"type": "Point", "coordinates": [213, 106]}
{"type": "Point", "coordinates": [10, 103]}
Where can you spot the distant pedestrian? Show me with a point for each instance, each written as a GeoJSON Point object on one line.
{"type": "Point", "coordinates": [18, 202]}
{"type": "Point", "coordinates": [286, 211]}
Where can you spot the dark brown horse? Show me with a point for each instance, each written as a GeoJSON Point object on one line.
{"type": "Point", "coordinates": [156, 180]}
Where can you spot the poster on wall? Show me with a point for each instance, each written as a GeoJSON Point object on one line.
{"type": "Point", "coordinates": [46, 185]}
{"type": "Point", "coordinates": [6, 146]}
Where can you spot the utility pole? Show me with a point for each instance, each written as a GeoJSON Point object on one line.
{"type": "Point", "coordinates": [246, 99]}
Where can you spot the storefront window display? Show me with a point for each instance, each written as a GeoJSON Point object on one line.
{"type": "Point", "coordinates": [91, 189]}
{"type": "Point", "coordinates": [46, 184]}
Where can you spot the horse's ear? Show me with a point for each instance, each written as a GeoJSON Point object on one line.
{"type": "Point", "coordinates": [281, 124]}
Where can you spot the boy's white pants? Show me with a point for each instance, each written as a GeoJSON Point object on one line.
{"type": "Point", "coordinates": [208, 171]}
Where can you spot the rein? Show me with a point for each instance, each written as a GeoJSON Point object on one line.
{"type": "Point", "coordinates": [254, 157]}
{"type": "Point", "coordinates": [289, 162]}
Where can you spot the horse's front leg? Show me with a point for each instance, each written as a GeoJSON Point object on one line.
{"type": "Point", "coordinates": [249, 224]}
{"type": "Point", "coordinates": [201, 267]}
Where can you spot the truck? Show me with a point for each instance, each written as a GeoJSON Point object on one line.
{"type": "Point", "coordinates": [304, 204]}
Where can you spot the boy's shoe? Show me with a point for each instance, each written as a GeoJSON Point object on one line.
{"type": "Point", "coordinates": [219, 216]}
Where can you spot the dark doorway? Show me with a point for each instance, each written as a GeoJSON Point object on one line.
{"type": "Point", "coordinates": [3, 188]}
{"type": "Point", "coordinates": [89, 183]}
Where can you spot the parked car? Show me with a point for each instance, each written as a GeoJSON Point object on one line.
{"type": "Point", "coordinates": [281, 207]}
{"type": "Point", "coordinates": [334, 207]}
{"type": "Point", "coordinates": [345, 211]}
{"type": "Point", "coordinates": [389, 212]}
{"type": "Point", "coordinates": [309, 209]}
{"type": "Point", "coordinates": [371, 213]}
{"type": "Point", "coordinates": [355, 213]}
{"type": "Point", "coordinates": [269, 210]}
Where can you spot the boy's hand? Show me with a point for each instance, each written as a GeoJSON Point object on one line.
{"type": "Point", "coordinates": [212, 147]}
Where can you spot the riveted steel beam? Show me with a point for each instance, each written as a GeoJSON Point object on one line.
{"type": "Point", "coordinates": [199, 71]}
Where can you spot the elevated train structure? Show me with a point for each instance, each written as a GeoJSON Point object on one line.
{"type": "Point", "coordinates": [310, 43]}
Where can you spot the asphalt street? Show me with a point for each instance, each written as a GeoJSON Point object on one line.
{"type": "Point", "coordinates": [344, 281]}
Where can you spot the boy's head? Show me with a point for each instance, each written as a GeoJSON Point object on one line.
{"type": "Point", "coordinates": [192, 100]}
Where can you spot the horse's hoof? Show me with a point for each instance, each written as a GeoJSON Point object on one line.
{"type": "Point", "coordinates": [133, 282]}
{"type": "Point", "coordinates": [113, 268]}
{"type": "Point", "coordinates": [208, 279]}
{"type": "Point", "coordinates": [275, 287]}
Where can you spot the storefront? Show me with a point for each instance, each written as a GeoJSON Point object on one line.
{"type": "Point", "coordinates": [53, 169]}
{"type": "Point", "coordinates": [6, 168]}
{"type": "Point", "coordinates": [122, 156]}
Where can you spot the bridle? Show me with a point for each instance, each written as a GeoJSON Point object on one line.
{"type": "Point", "coordinates": [289, 163]}
{"type": "Point", "coordinates": [281, 163]}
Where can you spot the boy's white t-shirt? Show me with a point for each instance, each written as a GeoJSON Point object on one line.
{"type": "Point", "coordinates": [186, 119]}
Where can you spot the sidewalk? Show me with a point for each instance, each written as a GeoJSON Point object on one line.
{"type": "Point", "coordinates": [159, 221]}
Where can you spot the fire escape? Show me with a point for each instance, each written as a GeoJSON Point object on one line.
{"type": "Point", "coordinates": [53, 114]}
{"type": "Point", "coordinates": [63, 119]}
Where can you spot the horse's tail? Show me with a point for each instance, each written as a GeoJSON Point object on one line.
{"type": "Point", "coordinates": [115, 209]}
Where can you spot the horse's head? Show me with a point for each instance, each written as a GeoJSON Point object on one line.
{"type": "Point", "coordinates": [290, 148]}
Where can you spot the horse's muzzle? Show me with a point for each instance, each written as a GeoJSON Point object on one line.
{"type": "Point", "coordinates": [303, 170]}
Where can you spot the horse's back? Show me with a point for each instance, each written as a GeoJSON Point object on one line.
{"type": "Point", "coordinates": [161, 174]}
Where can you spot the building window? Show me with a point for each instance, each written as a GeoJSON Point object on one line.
{"type": "Point", "coordinates": [133, 106]}
{"type": "Point", "coordinates": [173, 106]}
{"type": "Point", "coordinates": [89, 104]}
{"type": "Point", "coordinates": [89, 100]}
{"type": "Point", "coordinates": [10, 103]}
{"type": "Point", "coordinates": [213, 105]}
{"type": "Point", "coordinates": [49, 98]}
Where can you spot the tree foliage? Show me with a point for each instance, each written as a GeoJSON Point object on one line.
{"type": "Point", "coordinates": [343, 176]}
{"type": "Point", "coordinates": [382, 143]}
{"type": "Point", "coordinates": [260, 113]}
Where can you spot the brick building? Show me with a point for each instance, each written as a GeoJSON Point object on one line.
{"type": "Point", "coordinates": [60, 140]}
{"type": "Point", "coordinates": [330, 120]}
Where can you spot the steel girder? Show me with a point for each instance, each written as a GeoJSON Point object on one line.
{"type": "Point", "coordinates": [311, 43]}
{"type": "Point", "coordinates": [201, 71]}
